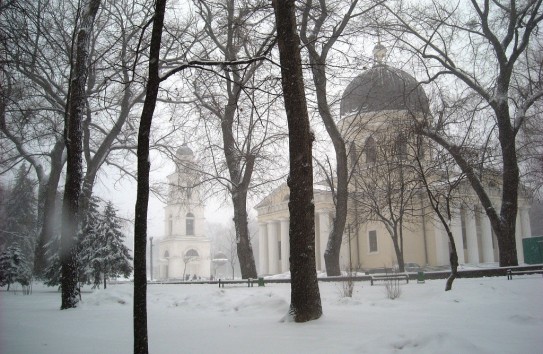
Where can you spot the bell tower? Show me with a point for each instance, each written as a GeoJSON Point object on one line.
{"type": "Point", "coordinates": [184, 249]}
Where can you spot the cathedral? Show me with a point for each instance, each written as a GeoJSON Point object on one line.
{"type": "Point", "coordinates": [184, 251]}
{"type": "Point", "coordinates": [376, 109]}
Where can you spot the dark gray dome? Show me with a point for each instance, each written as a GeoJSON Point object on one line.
{"type": "Point", "coordinates": [383, 88]}
{"type": "Point", "coordinates": [185, 150]}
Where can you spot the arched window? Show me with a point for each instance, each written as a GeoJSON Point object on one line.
{"type": "Point", "coordinates": [353, 154]}
{"type": "Point", "coordinates": [401, 147]}
{"type": "Point", "coordinates": [166, 254]}
{"type": "Point", "coordinates": [192, 253]}
{"type": "Point", "coordinates": [371, 150]}
{"type": "Point", "coordinates": [170, 225]}
{"type": "Point", "coordinates": [190, 224]}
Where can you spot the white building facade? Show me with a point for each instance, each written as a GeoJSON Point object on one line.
{"type": "Point", "coordinates": [375, 107]}
{"type": "Point", "coordinates": [184, 251]}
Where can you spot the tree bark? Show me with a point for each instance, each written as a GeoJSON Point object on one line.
{"type": "Point", "coordinates": [141, 345]}
{"type": "Point", "coordinates": [74, 148]}
{"type": "Point", "coordinates": [305, 296]}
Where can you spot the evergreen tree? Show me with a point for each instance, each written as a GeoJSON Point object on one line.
{"type": "Point", "coordinates": [51, 275]}
{"type": "Point", "coordinates": [89, 242]}
{"type": "Point", "coordinates": [113, 256]}
{"type": "Point", "coordinates": [14, 267]}
{"type": "Point", "coordinates": [20, 222]}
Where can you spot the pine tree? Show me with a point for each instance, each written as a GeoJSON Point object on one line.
{"type": "Point", "coordinates": [89, 241]}
{"type": "Point", "coordinates": [14, 267]}
{"type": "Point", "coordinates": [21, 215]}
{"type": "Point", "coordinates": [113, 256]}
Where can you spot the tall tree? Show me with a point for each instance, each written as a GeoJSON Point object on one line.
{"type": "Point", "coordinates": [74, 147]}
{"type": "Point", "coordinates": [231, 26]}
{"type": "Point", "coordinates": [322, 25]}
{"type": "Point", "coordinates": [305, 298]}
{"type": "Point", "coordinates": [141, 344]}
{"type": "Point", "coordinates": [482, 46]}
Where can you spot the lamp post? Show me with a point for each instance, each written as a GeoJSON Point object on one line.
{"type": "Point", "coordinates": [151, 251]}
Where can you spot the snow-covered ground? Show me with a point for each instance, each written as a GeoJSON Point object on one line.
{"type": "Point", "coordinates": [487, 315]}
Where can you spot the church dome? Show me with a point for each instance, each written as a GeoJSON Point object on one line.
{"type": "Point", "coordinates": [184, 150]}
{"type": "Point", "coordinates": [383, 88]}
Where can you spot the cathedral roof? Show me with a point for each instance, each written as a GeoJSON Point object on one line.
{"type": "Point", "coordinates": [383, 88]}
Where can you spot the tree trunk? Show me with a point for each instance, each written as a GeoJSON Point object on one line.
{"type": "Point", "coordinates": [141, 345]}
{"type": "Point", "coordinates": [305, 296]}
{"type": "Point", "coordinates": [399, 254]}
{"type": "Point", "coordinates": [48, 203]}
{"type": "Point", "coordinates": [105, 282]}
{"type": "Point", "coordinates": [239, 185]}
{"type": "Point", "coordinates": [74, 148]}
{"type": "Point", "coordinates": [453, 257]}
{"type": "Point", "coordinates": [335, 238]}
{"type": "Point", "coordinates": [244, 248]}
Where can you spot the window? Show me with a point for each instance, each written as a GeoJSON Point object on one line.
{"type": "Point", "coordinates": [371, 150]}
{"type": "Point", "coordinates": [190, 224]}
{"type": "Point", "coordinates": [170, 225]}
{"type": "Point", "coordinates": [372, 239]}
{"type": "Point", "coordinates": [166, 254]}
{"type": "Point", "coordinates": [354, 155]}
{"type": "Point", "coordinates": [401, 147]}
{"type": "Point", "coordinates": [192, 253]}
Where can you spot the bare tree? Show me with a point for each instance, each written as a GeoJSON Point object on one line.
{"type": "Point", "coordinates": [319, 40]}
{"type": "Point", "coordinates": [386, 187]}
{"type": "Point", "coordinates": [305, 296]}
{"type": "Point", "coordinates": [481, 47]}
{"type": "Point", "coordinates": [231, 26]}
{"type": "Point", "coordinates": [142, 201]}
{"type": "Point", "coordinates": [441, 183]}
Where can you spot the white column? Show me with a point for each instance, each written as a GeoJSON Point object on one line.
{"type": "Point", "coordinates": [486, 230]}
{"type": "Point", "coordinates": [442, 245]}
{"type": "Point", "coordinates": [456, 229]}
{"type": "Point", "coordinates": [324, 228]}
{"type": "Point", "coordinates": [525, 222]}
{"type": "Point", "coordinates": [273, 248]}
{"type": "Point", "coordinates": [263, 249]}
{"type": "Point", "coordinates": [518, 239]}
{"type": "Point", "coordinates": [285, 246]}
{"type": "Point", "coordinates": [471, 237]}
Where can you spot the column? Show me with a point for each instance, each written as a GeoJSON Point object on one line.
{"type": "Point", "coordinates": [273, 248]}
{"type": "Point", "coordinates": [456, 228]}
{"type": "Point", "coordinates": [525, 222]}
{"type": "Point", "coordinates": [471, 237]}
{"type": "Point", "coordinates": [285, 246]}
{"type": "Point", "coordinates": [263, 249]}
{"type": "Point", "coordinates": [518, 239]}
{"type": "Point", "coordinates": [442, 245]}
{"type": "Point", "coordinates": [324, 228]}
{"type": "Point", "coordinates": [486, 230]}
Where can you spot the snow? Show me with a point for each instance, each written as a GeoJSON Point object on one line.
{"type": "Point", "coordinates": [486, 315]}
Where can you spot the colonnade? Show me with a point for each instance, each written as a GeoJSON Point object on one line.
{"type": "Point", "coordinates": [474, 238]}
{"type": "Point", "coordinates": [274, 243]}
